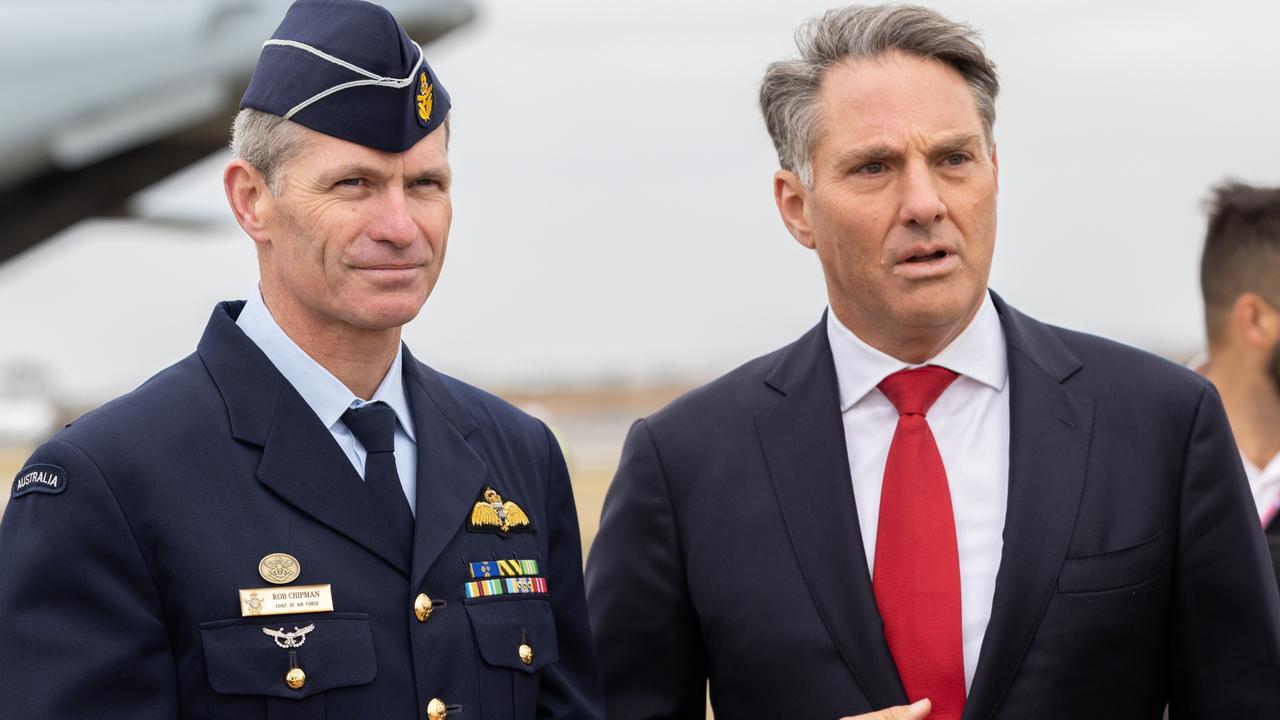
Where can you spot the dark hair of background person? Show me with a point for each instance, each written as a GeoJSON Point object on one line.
{"type": "Point", "coordinates": [1241, 251]}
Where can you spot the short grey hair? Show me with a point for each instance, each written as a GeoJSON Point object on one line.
{"type": "Point", "coordinates": [788, 93]}
{"type": "Point", "coordinates": [268, 143]}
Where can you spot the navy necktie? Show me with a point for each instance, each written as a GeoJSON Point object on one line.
{"type": "Point", "coordinates": [374, 425]}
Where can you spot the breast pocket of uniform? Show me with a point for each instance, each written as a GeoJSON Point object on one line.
{"type": "Point", "coordinates": [1121, 569]}
{"type": "Point", "coordinates": [515, 638]}
{"type": "Point", "coordinates": [288, 665]}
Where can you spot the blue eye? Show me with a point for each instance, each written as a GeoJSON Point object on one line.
{"type": "Point", "coordinates": [351, 182]}
{"type": "Point", "coordinates": [872, 168]}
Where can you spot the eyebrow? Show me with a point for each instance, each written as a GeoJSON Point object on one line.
{"type": "Point", "coordinates": [879, 152]}
{"type": "Point", "coordinates": [440, 176]}
{"type": "Point", "coordinates": [351, 170]}
{"type": "Point", "coordinates": [960, 142]}
{"type": "Point", "coordinates": [868, 154]}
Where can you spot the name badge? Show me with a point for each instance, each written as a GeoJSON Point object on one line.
{"type": "Point", "coordinates": [286, 600]}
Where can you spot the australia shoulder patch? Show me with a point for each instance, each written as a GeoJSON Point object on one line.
{"type": "Point", "coordinates": [48, 479]}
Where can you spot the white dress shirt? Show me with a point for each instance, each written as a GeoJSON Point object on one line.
{"type": "Point", "coordinates": [970, 422]}
{"type": "Point", "coordinates": [329, 398]}
{"type": "Point", "coordinates": [1265, 484]}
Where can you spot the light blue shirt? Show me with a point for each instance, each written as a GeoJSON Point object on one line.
{"type": "Point", "coordinates": [329, 398]}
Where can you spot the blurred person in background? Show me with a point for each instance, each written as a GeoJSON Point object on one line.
{"type": "Point", "coordinates": [1240, 281]}
{"type": "Point", "coordinates": [301, 519]}
{"type": "Point", "coordinates": [929, 495]}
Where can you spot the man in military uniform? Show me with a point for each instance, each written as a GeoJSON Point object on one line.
{"type": "Point", "coordinates": [1241, 286]}
{"type": "Point", "coordinates": [300, 519]}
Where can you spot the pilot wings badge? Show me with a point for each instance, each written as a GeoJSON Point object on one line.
{"type": "Point", "coordinates": [288, 640]}
{"type": "Point", "coordinates": [492, 514]}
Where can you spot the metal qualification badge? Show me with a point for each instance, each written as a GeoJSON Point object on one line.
{"type": "Point", "coordinates": [286, 600]}
{"type": "Point", "coordinates": [279, 568]}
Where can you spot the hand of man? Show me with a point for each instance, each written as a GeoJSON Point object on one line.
{"type": "Point", "coordinates": [917, 710]}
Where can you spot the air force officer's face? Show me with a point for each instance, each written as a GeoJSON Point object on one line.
{"type": "Point", "coordinates": [902, 204]}
{"type": "Point", "coordinates": [357, 237]}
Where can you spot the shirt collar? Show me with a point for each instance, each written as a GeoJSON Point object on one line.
{"type": "Point", "coordinates": [979, 352]}
{"type": "Point", "coordinates": [1269, 475]}
{"type": "Point", "coordinates": [324, 393]}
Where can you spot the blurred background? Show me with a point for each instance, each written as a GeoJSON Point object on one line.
{"type": "Point", "coordinates": [615, 240]}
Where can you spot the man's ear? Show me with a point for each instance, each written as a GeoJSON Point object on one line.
{"type": "Point", "coordinates": [995, 166]}
{"type": "Point", "coordinates": [1256, 321]}
{"type": "Point", "coordinates": [249, 197]}
{"type": "Point", "coordinates": [792, 198]}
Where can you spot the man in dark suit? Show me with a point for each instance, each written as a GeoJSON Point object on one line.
{"type": "Point", "coordinates": [301, 519]}
{"type": "Point", "coordinates": [1240, 280]}
{"type": "Point", "coordinates": [929, 497]}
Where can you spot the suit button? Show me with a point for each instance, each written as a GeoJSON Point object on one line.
{"type": "Point", "coordinates": [436, 709]}
{"type": "Point", "coordinates": [526, 654]}
{"type": "Point", "coordinates": [295, 678]}
{"type": "Point", "coordinates": [422, 611]}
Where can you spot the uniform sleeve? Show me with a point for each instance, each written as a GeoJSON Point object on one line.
{"type": "Point", "coordinates": [651, 651]}
{"type": "Point", "coordinates": [570, 688]}
{"type": "Point", "coordinates": [81, 629]}
{"type": "Point", "coordinates": [1225, 635]}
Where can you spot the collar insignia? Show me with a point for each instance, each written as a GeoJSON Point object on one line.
{"type": "Point", "coordinates": [494, 515]}
{"type": "Point", "coordinates": [425, 93]}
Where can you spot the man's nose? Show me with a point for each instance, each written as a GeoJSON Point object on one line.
{"type": "Point", "coordinates": [394, 222]}
{"type": "Point", "coordinates": [921, 204]}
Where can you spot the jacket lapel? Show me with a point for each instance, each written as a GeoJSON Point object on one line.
{"type": "Point", "coordinates": [450, 473]}
{"type": "Point", "coordinates": [300, 461]}
{"type": "Point", "coordinates": [1049, 433]}
{"type": "Point", "coordinates": [302, 464]}
{"type": "Point", "coordinates": [803, 441]}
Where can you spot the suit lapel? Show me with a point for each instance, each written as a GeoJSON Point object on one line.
{"type": "Point", "coordinates": [302, 464]}
{"type": "Point", "coordinates": [803, 441]}
{"type": "Point", "coordinates": [1049, 434]}
{"type": "Point", "coordinates": [450, 473]}
{"type": "Point", "coordinates": [300, 461]}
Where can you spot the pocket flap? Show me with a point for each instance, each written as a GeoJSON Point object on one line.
{"type": "Point", "coordinates": [1113, 570]}
{"type": "Point", "coordinates": [502, 626]}
{"type": "Point", "coordinates": [244, 660]}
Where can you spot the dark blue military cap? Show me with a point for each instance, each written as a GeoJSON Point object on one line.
{"type": "Point", "coordinates": [347, 69]}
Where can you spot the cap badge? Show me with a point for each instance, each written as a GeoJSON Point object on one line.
{"type": "Point", "coordinates": [425, 92]}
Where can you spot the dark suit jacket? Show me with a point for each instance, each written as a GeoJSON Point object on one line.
{"type": "Point", "coordinates": [1133, 573]}
{"type": "Point", "coordinates": [119, 594]}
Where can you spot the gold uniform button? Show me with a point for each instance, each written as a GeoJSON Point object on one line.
{"type": "Point", "coordinates": [436, 709]}
{"type": "Point", "coordinates": [295, 678]}
{"type": "Point", "coordinates": [422, 610]}
{"type": "Point", "coordinates": [526, 654]}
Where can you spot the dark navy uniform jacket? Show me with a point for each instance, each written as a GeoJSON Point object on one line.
{"type": "Point", "coordinates": [119, 591]}
{"type": "Point", "coordinates": [1133, 573]}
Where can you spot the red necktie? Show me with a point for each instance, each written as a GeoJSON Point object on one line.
{"type": "Point", "coordinates": [917, 567]}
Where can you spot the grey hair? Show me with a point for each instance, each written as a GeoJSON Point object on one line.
{"type": "Point", "coordinates": [788, 93]}
{"type": "Point", "coordinates": [267, 142]}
